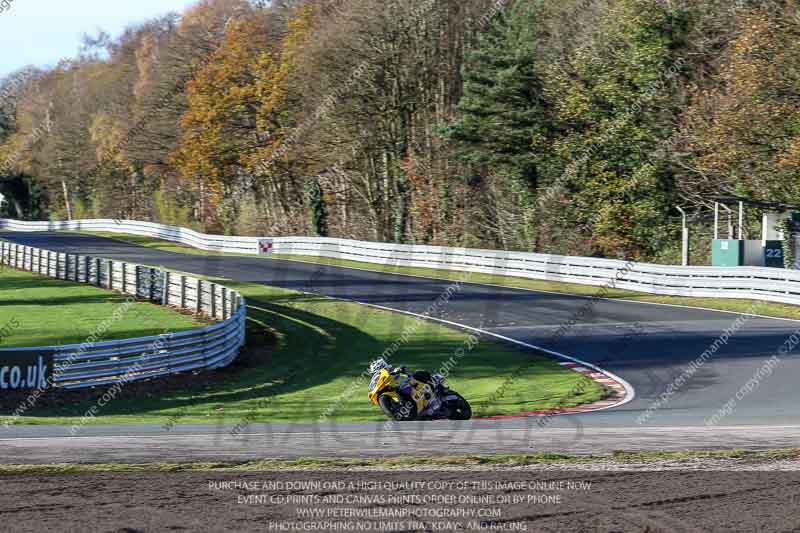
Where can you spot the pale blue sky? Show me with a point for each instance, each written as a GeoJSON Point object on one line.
{"type": "Point", "coordinates": [40, 32]}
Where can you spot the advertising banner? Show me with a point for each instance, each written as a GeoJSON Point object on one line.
{"type": "Point", "coordinates": [25, 369]}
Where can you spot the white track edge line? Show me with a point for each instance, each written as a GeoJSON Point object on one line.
{"type": "Point", "coordinates": [629, 390]}
{"type": "Point", "coordinates": [630, 393]}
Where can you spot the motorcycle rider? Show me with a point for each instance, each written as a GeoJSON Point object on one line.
{"type": "Point", "coordinates": [420, 375]}
{"type": "Point", "coordinates": [433, 382]}
{"type": "Point", "coordinates": [417, 395]}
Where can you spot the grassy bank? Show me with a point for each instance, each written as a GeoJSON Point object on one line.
{"type": "Point", "coordinates": [41, 311]}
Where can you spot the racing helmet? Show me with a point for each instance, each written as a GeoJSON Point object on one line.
{"type": "Point", "coordinates": [378, 364]}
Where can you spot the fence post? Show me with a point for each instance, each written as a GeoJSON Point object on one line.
{"type": "Point", "coordinates": [183, 292]}
{"type": "Point", "coordinates": [138, 275]}
{"type": "Point", "coordinates": [200, 307]}
{"type": "Point", "coordinates": [213, 300]}
{"type": "Point", "coordinates": [110, 274]}
{"type": "Point", "coordinates": [165, 288]}
{"type": "Point", "coordinates": [199, 296]}
{"type": "Point", "coordinates": [151, 288]}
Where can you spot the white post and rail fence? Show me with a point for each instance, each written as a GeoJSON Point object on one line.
{"type": "Point", "coordinates": [756, 283]}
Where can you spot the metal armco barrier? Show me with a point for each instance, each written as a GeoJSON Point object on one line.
{"type": "Point", "coordinates": [757, 283]}
{"type": "Point", "coordinates": [100, 363]}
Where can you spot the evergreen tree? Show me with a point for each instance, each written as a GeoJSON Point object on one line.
{"type": "Point", "coordinates": [502, 115]}
{"type": "Point", "coordinates": [501, 111]}
{"type": "Point", "coordinates": [316, 207]}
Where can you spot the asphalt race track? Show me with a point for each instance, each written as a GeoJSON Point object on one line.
{"type": "Point", "coordinates": [647, 345]}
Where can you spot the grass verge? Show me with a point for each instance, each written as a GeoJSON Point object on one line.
{"type": "Point", "coordinates": [304, 358]}
{"type": "Point", "coordinates": [501, 460]}
{"type": "Point", "coordinates": [42, 311]}
{"type": "Point", "coordinates": [777, 310]}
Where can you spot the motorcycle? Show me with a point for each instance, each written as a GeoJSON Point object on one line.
{"type": "Point", "coordinates": [416, 396]}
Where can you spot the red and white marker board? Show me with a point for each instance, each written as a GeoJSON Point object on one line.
{"type": "Point", "coordinates": [265, 246]}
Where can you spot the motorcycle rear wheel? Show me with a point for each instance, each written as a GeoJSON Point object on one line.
{"type": "Point", "coordinates": [459, 409]}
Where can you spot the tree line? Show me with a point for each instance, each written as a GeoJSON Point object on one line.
{"type": "Point", "coordinates": [570, 126]}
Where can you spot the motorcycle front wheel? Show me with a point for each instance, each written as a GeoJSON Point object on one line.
{"type": "Point", "coordinates": [402, 411]}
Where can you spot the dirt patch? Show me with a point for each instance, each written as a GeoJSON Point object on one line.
{"type": "Point", "coordinates": [527, 499]}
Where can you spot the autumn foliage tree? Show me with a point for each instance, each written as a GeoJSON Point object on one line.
{"type": "Point", "coordinates": [741, 135]}
{"type": "Point", "coordinates": [219, 125]}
